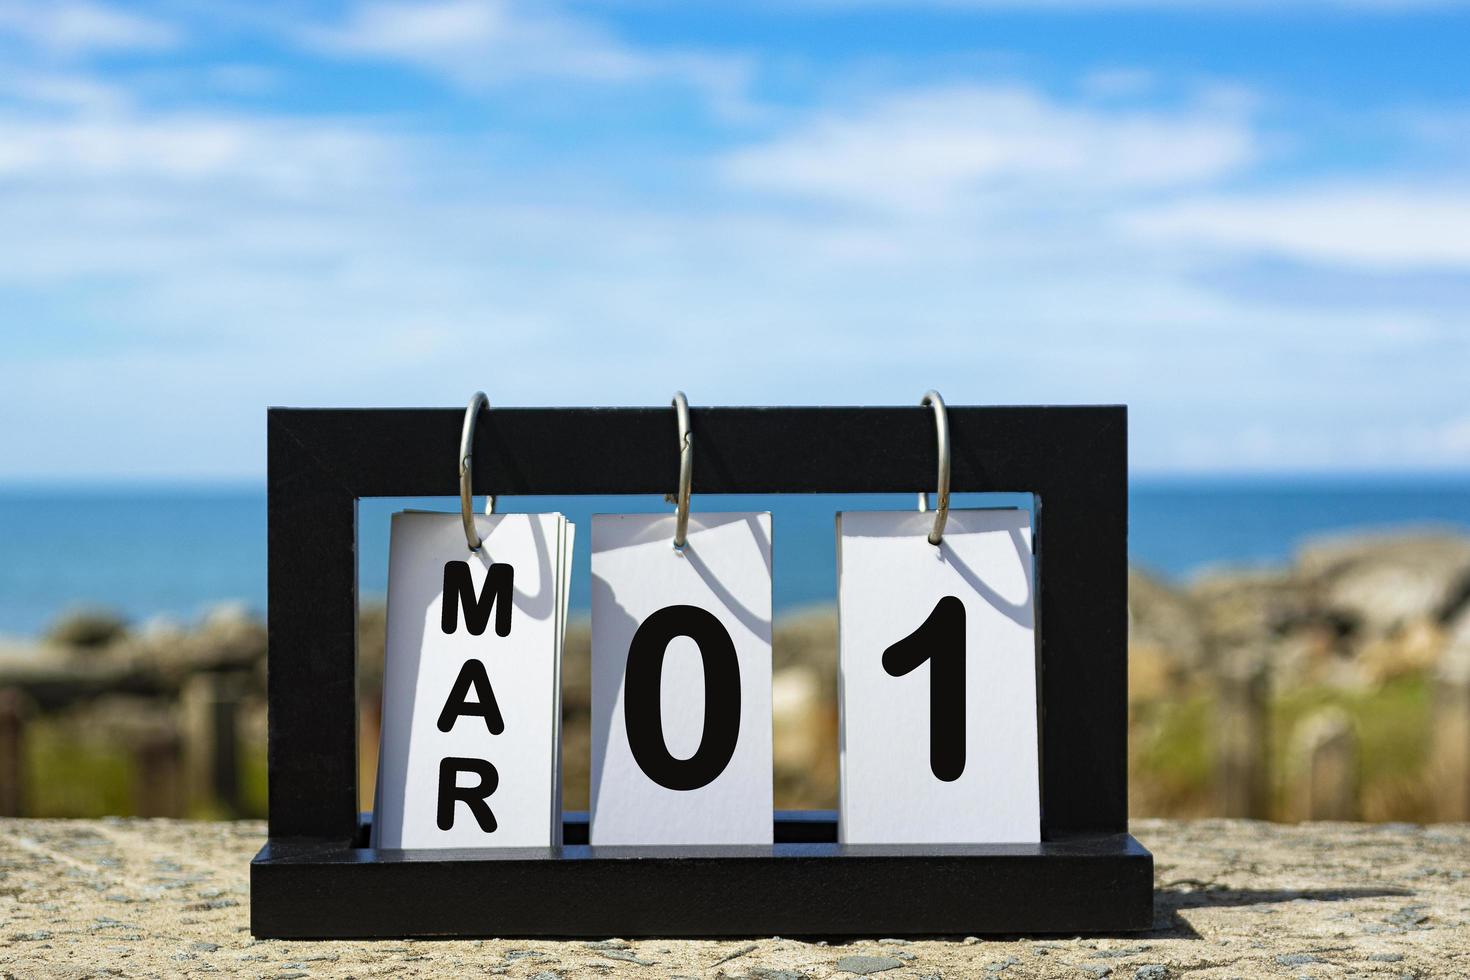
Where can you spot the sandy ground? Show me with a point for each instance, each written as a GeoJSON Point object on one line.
{"type": "Point", "coordinates": [1234, 899]}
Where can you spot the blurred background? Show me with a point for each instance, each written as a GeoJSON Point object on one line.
{"type": "Point", "coordinates": [1249, 222]}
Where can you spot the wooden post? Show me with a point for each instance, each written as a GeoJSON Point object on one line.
{"type": "Point", "coordinates": [370, 729]}
{"type": "Point", "coordinates": [1450, 753]}
{"type": "Point", "coordinates": [1242, 735]}
{"type": "Point", "coordinates": [14, 711]}
{"type": "Point", "coordinates": [211, 709]}
{"type": "Point", "coordinates": [158, 789]}
{"type": "Point", "coordinates": [1324, 767]}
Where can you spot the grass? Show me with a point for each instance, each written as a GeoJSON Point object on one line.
{"type": "Point", "coordinates": [1172, 749]}
{"type": "Point", "coordinates": [1392, 724]}
{"type": "Point", "coordinates": [72, 773]}
{"type": "Point", "coordinates": [1171, 756]}
{"type": "Point", "coordinates": [68, 776]}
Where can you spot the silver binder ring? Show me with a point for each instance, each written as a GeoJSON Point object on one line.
{"type": "Point", "coordinates": [941, 428]}
{"type": "Point", "coordinates": [686, 471]}
{"type": "Point", "coordinates": [466, 471]}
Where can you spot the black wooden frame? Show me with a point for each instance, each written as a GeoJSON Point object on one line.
{"type": "Point", "coordinates": [316, 877]}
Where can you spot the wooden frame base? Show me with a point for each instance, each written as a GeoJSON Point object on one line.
{"type": "Point", "coordinates": [805, 885]}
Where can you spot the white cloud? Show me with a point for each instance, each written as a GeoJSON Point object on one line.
{"type": "Point", "coordinates": [1381, 226]}
{"type": "Point", "coordinates": [480, 43]}
{"type": "Point", "coordinates": [941, 148]}
{"type": "Point", "coordinates": [51, 91]}
{"type": "Point", "coordinates": [1225, 446]}
{"type": "Point", "coordinates": [289, 155]}
{"type": "Point", "coordinates": [1453, 439]}
{"type": "Point", "coordinates": [481, 40]}
{"type": "Point", "coordinates": [228, 260]}
{"type": "Point", "coordinates": [77, 27]}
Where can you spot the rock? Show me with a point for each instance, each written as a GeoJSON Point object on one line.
{"type": "Point", "coordinates": [229, 636]}
{"type": "Point", "coordinates": [736, 954]}
{"type": "Point", "coordinates": [797, 716]}
{"type": "Point", "coordinates": [1120, 952]}
{"type": "Point", "coordinates": [1381, 582]}
{"type": "Point", "coordinates": [1249, 606]}
{"type": "Point", "coordinates": [212, 905]}
{"type": "Point", "coordinates": [804, 715]}
{"type": "Point", "coordinates": [1323, 885]}
{"type": "Point", "coordinates": [161, 628]}
{"type": "Point", "coordinates": [1408, 916]}
{"type": "Point", "coordinates": [87, 629]}
{"type": "Point", "coordinates": [1412, 649]}
{"type": "Point", "coordinates": [228, 617]}
{"type": "Point", "coordinates": [1457, 629]}
{"type": "Point", "coordinates": [1164, 625]}
{"type": "Point", "coordinates": [868, 965]}
{"type": "Point", "coordinates": [807, 639]}
{"type": "Point", "coordinates": [1297, 959]}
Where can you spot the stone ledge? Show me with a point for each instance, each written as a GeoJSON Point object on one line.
{"type": "Point", "coordinates": [126, 897]}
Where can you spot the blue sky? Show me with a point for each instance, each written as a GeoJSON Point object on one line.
{"type": "Point", "coordinates": [1250, 222]}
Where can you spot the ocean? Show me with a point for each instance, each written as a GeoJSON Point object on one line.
{"type": "Point", "coordinates": [175, 552]}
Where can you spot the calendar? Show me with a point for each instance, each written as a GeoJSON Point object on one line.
{"type": "Point", "coordinates": [981, 682]}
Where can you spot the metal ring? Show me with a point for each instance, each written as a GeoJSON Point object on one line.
{"type": "Point", "coordinates": [941, 427]}
{"type": "Point", "coordinates": [466, 468]}
{"type": "Point", "coordinates": [686, 470]}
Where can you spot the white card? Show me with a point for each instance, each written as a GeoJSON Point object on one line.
{"type": "Point", "coordinates": [938, 679]}
{"type": "Point", "coordinates": [471, 706]}
{"type": "Point", "coordinates": [681, 680]}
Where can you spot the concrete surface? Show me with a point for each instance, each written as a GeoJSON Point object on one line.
{"type": "Point", "coordinates": [1234, 899]}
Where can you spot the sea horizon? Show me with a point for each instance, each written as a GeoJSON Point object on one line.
{"type": "Point", "coordinates": [149, 549]}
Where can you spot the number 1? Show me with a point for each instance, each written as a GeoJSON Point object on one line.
{"type": "Point", "coordinates": [939, 641]}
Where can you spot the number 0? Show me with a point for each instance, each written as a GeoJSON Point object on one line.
{"type": "Point", "coordinates": [642, 697]}
{"type": "Point", "coordinates": [939, 640]}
